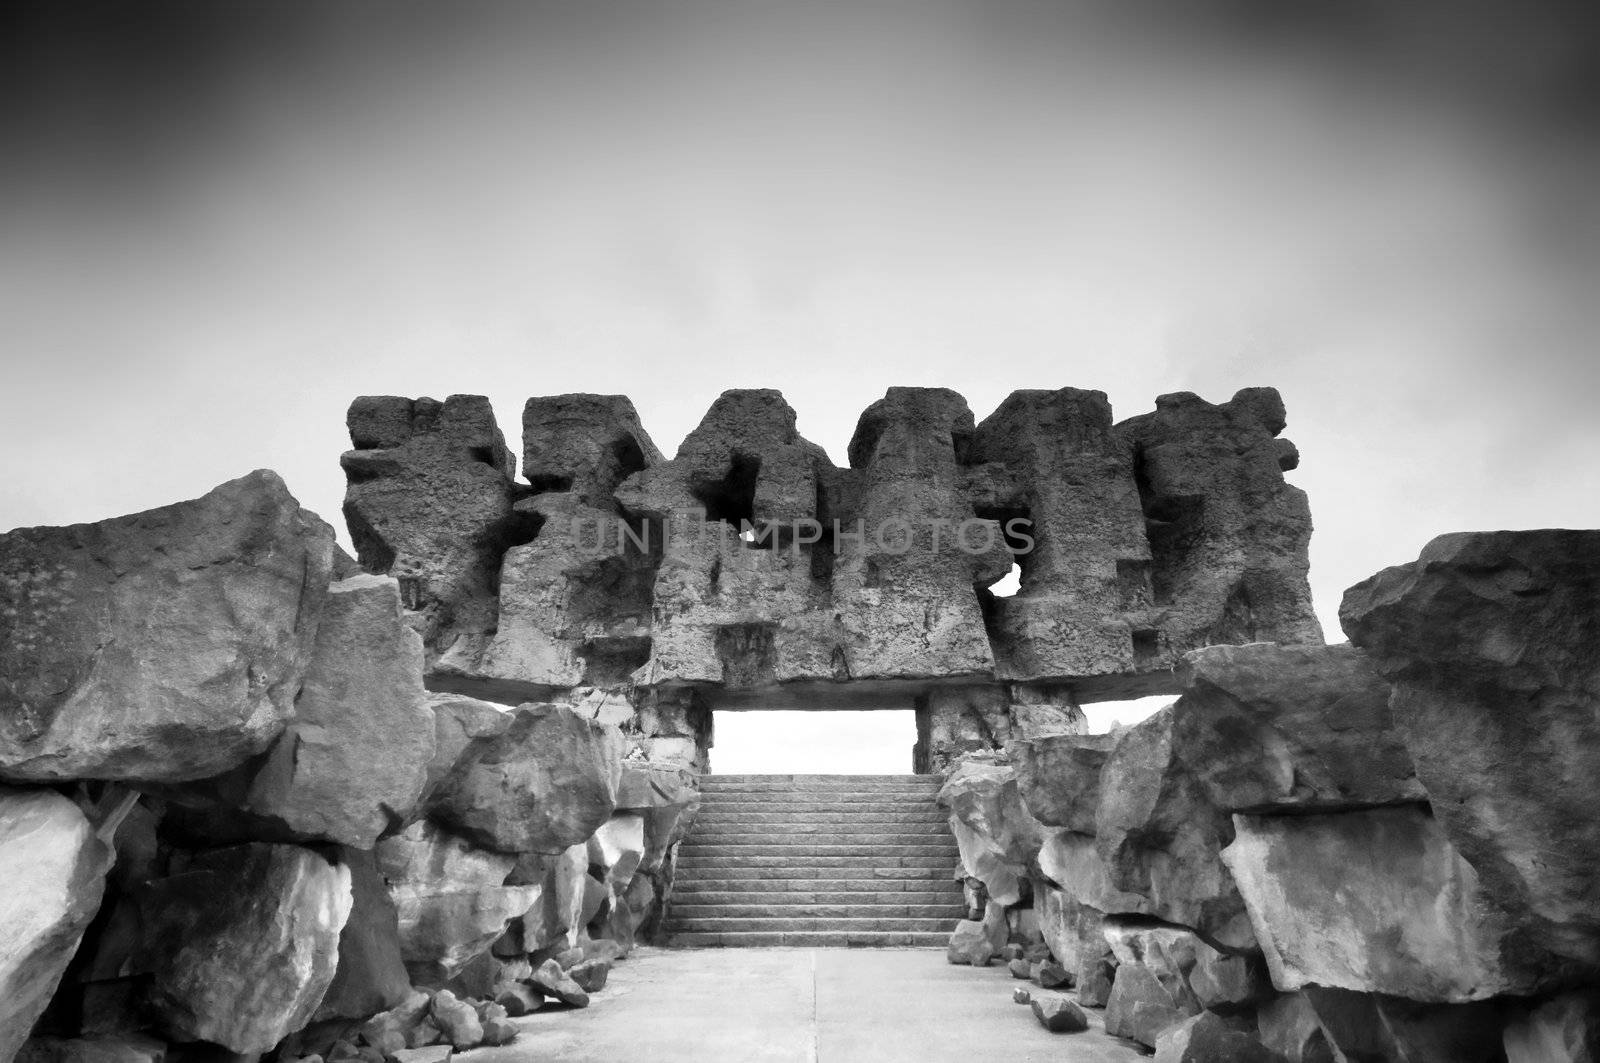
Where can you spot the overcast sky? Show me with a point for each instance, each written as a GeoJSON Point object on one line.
{"type": "Point", "coordinates": [223, 221]}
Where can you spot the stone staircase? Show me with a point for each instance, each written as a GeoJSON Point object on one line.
{"type": "Point", "coordinates": [817, 860]}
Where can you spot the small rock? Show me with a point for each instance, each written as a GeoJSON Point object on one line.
{"type": "Point", "coordinates": [517, 999]}
{"type": "Point", "coordinates": [1094, 983]}
{"type": "Point", "coordinates": [423, 1034]}
{"type": "Point", "coordinates": [342, 1051]}
{"type": "Point", "coordinates": [552, 981]}
{"type": "Point", "coordinates": [429, 1054]}
{"type": "Point", "coordinates": [969, 944]}
{"type": "Point", "coordinates": [1058, 1014]}
{"type": "Point", "coordinates": [456, 1019]}
{"type": "Point", "coordinates": [1020, 968]}
{"type": "Point", "coordinates": [384, 1032]}
{"type": "Point", "coordinates": [1050, 974]}
{"type": "Point", "coordinates": [569, 958]}
{"type": "Point", "coordinates": [1036, 953]}
{"type": "Point", "coordinates": [1011, 952]}
{"type": "Point", "coordinates": [591, 975]}
{"type": "Point", "coordinates": [1020, 995]}
{"type": "Point", "coordinates": [499, 1032]}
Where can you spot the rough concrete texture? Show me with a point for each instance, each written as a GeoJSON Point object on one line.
{"type": "Point", "coordinates": [749, 560]}
{"type": "Point", "coordinates": [803, 1006]}
{"type": "Point", "coordinates": [429, 502]}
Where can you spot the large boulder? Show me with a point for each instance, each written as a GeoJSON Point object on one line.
{"type": "Point", "coordinates": [1372, 1028]}
{"type": "Point", "coordinates": [240, 944]}
{"type": "Point", "coordinates": [548, 781]}
{"type": "Point", "coordinates": [451, 899]}
{"type": "Point", "coordinates": [1207, 1038]}
{"type": "Point", "coordinates": [429, 501]}
{"type": "Point", "coordinates": [1141, 1008]}
{"type": "Point", "coordinates": [1377, 901]}
{"type": "Point", "coordinates": [1191, 971]}
{"type": "Point", "coordinates": [1563, 1029]}
{"type": "Point", "coordinates": [352, 763]}
{"type": "Point", "coordinates": [1162, 839]}
{"type": "Point", "coordinates": [370, 975]}
{"type": "Point", "coordinates": [1271, 728]}
{"type": "Point", "coordinates": [1059, 777]}
{"type": "Point", "coordinates": [1489, 640]}
{"type": "Point", "coordinates": [52, 875]}
{"type": "Point", "coordinates": [1072, 862]}
{"type": "Point", "coordinates": [997, 838]}
{"type": "Point", "coordinates": [1073, 932]}
{"type": "Point", "coordinates": [160, 647]}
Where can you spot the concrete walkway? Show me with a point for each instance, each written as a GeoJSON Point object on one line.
{"type": "Point", "coordinates": [801, 1006]}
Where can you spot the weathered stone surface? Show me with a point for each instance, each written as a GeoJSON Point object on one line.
{"type": "Point", "coordinates": [549, 979]}
{"type": "Point", "coordinates": [1489, 640]}
{"type": "Point", "coordinates": [1059, 778]}
{"type": "Point", "coordinates": [970, 944]}
{"type": "Point", "coordinates": [1288, 1025]}
{"type": "Point", "coordinates": [115, 1048]}
{"type": "Point", "coordinates": [575, 602]}
{"type": "Point", "coordinates": [1207, 1038]}
{"type": "Point", "coordinates": [1371, 1028]}
{"type": "Point", "coordinates": [459, 722]}
{"type": "Point", "coordinates": [1564, 1029]}
{"type": "Point", "coordinates": [1291, 728]}
{"type": "Point", "coordinates": [1228, 536]}
{"type": "Point", "coordinates": [1072, 477]}
{"type": "Point", "coordinates": [240, 944]}
{"type": "Point", "coordinates": [1073, 863]}
{"type": "Point", "coordinates": [745, 614]}
{"type": "Point", "coordinates": [450, 898]}
{"type": "Point", "coordinates": [52, 875]}
{"type": "Point", "coordinates": [1074, 932]}
{"type": "Point", "coordinates": [1141, 1008]}
{"type": "Point", "coordinates": [1192, 972]}
{"type": "Point", "coordinates": [957, 720]}
{"type": "Point", "coordinates": [1058, 1014]}
{"type": "Point", "coordinates": [429, 502]}
{"type": "Point", "coordinates": [997, 838]}
{"type": "Point", "coordinates": [456, 1020]}
{"type": "Point", "coordinates": [353, 761]}
{"type": "Point", "coordinates": [547, 782]}
{"type": "Point", "coordinates": [159, 647]}
{"type": "Point", "coordinates": [370, 976]}
{"type": "Point", "coordinates": [1376, 901]}
{"type": "Point", "coordinates": [905, 596]}
{"type": "Point", "coordinates": [590, 975]}
{"type": "Point", "coordinates": [1162, 839]}
{"type": "Point", "coordinates": [585, 445]}
{"type": "Point", "coordinates": [558, 918]}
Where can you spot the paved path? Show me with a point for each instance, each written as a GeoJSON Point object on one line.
{"type": "Point", "coordinates": [801, 1006]}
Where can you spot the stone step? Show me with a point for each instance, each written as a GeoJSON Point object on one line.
{"type": "Point", "coordinates": [846, 824]}
{"type": "Point", "coordinates": [717, 780]}
{"type": "Point", "coordinates": [869, 862]}
{"type": "Point", "coordinates": [718, 925]}
{"type": "Point", "coordinates": [884, 855]}
{"type": "Point", "coordinates": [786, 872]}
{"type": "Point", "coordinates": [860, 809]}
{"type": "Point", "coordinates": [699, 897]}
{"type": "Point", "coordinates": [842, 817]}
{"type": "Point", "coordinates": [807, 882]}
{"type": "Point", "coordinates": [812, 939]}
{"type": "Point", "coordinates": [877, 791]}
{"type": "Point", "coordinates": [685, 913]}
{"type": "Point", "coordinates": [786, 838]}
